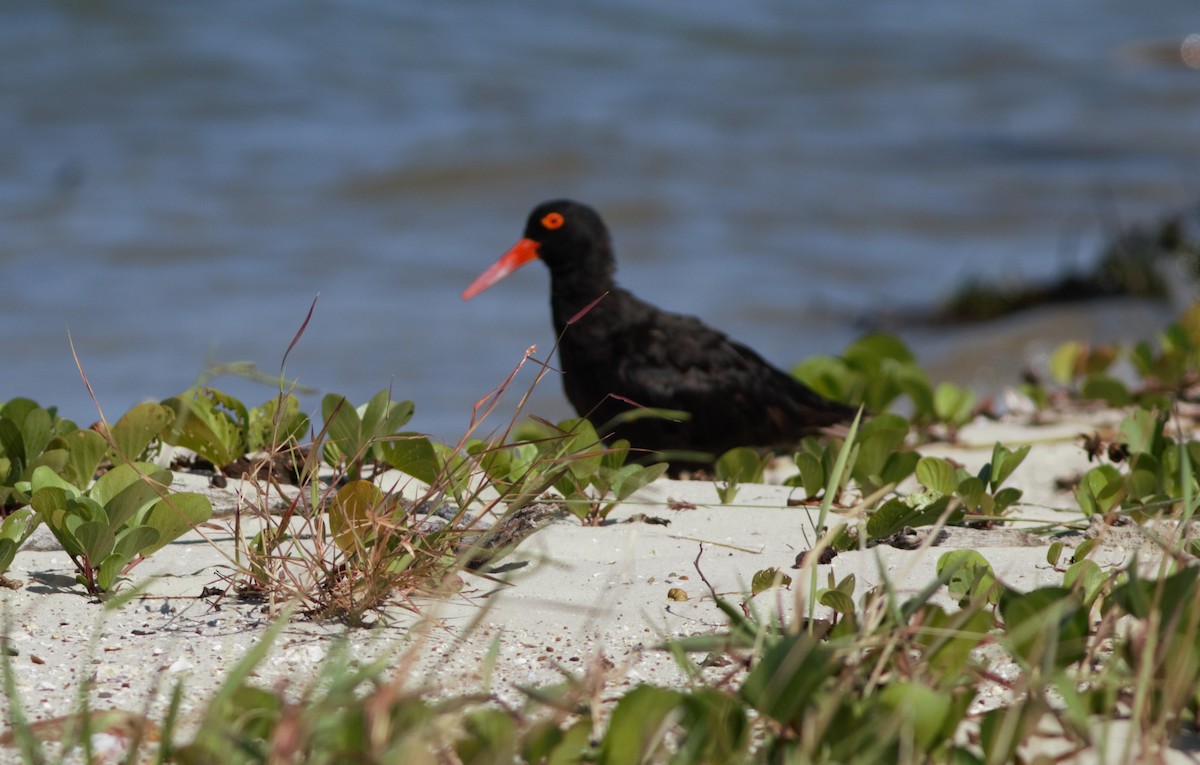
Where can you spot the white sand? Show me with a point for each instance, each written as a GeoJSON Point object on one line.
{"type": "Point", "coordinates": [573, 593]}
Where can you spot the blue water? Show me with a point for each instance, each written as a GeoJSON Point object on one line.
{"type": "Point", "coordinates": [178, 181]}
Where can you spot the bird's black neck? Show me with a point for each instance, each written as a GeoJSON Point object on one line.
{"type": "Point", "coordinates": [577, 283]}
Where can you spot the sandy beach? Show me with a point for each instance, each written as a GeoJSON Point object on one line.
{"type": "Point", "coordinates": [568, 598]}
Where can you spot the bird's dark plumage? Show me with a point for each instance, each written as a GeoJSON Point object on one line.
{"type": "Point", "coordinates": [622, 350]}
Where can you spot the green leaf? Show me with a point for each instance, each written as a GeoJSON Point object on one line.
{"type": "Point", "coordinates": [546, 742]}
{"type": "Point", "coordinates": [524, 460]}
{"type": "Point", "coordinates": [616, 454]}
{"type": "Point", "coordinates": [1100, 490]}
{"type": "Point", "coordinates": [383, 417]}
{"type": "Point", "coordinates": [96, 540]}
{"type": "Point", "coordinates": [1085, 548]}
{"type": "Point", "coordinates": [275, 424]}
{"type": "Point", "coordinates": [923, 710]}
{"type": "Point", "coordinates": [1108, 389]}
{"type": "Point", "coordinates": [8, 551]}
{"type": "Point", "coordinates": [108, 571]}
{"type": "Point", "coordinates": [971, 490]}
{"type": "Point", "coordinates": [968, 575]}
{"type": "Point", "coordinates": [871, 350]}
{"type": "Point", "coordinates": [812, 473]}
{"type": "Point", "coordinates": [896, 514]}
{"type": "Point", "coordinates": [1054, 553]}
{"type": "Point", "coordinates": [937, 474]}
{"type": "Point", "coordinates": [174, 516]}
{"type": "Point", "coordinates": [1004, 462]}
{"type": "Point", "coordinates": [714, 727]}
{"type": "Point", "coordinates": [12, 442]}
{"type": "Point", "coordinates": [914, 383]}
{"type": "Point", "coordinates": [883, 380]}
{"type": "Point", "coordinates": [1099, 359]}
{"type": "Point", "coordinates": [740, 465]}
{"type": "Point", "coordinates": [635, 731]}
{"type": "Point", "coordinates": [127, 490]}
{"type": "Point", "coordinates": [19, 524]}
{"type": "Point", "coordinates": [85, 509]}
{"type": "Point", "coordinates": [412, 454]}
{"type": "Point", "coordinates": [838, 601]}
{"type": "Point", "coordinates": [135, 540]}
{"type": "Point", "coordinates": [898, 467]}
{"type": "Point", "coordinates": [1143, 357]}
{"type": "Point", "coordinates": [52, 505]}
{"type": "Point", "coordinates": [14, 530]}
{"type": "Point", "coordinates": [85, 449]}
{"type": "Point", "coordinates": [1003, 729]}
{"type": "Point", "coordinates": [1046, 626]}
{"type": "Point", "coordinates": [581, 447]}
{"type": "Point", "coordinates": [1189, 326]}
{"type": "Point", "coordinates": [355, 434]}
{"type": "Point", "coordinates": [343, 428]}
{"type": "Point", "coordinates": [786, 679]}
{"type": "Point", "coordinates": [122, 477]}
{"type": "Point", "coordinates": [50, 502]}
{"type": "Point", "coordinates": [210, 423]}
{"type": "Point", "coordinates": [55, 458]}
{"type": "Point", "coordinates": [767, 578]}
{"type": "Point", "coordinates": [495, 460]}
{"type": "Point", "coordinates": [352, 515]}
{"type": "Point", "coordinates": [44, 477]}
{"type": "Point", "coordinates": [1142, 431]}
{"type": "Point", "coordinates": [36, 431]}
{"type": "Point", "coordinates": [1172, 596]}
{"type": "Point", "coordinates": [949, 638]}
{"type": "Point", "coordinates": [847, 585]}
{"type": "Point", "coordinates": [953, 404]}
{"type": "Point", "coordinates": [879, 440]}
{"type": "Point", "coordinates": [637, 478]}
{"type": "Point", "coordinates": [132, 434]}
{"type": "Point", "coordinates": [1085, 576]}
{"type": "Point", "coordinates": [1006, 498]}
{"type": "Point", "coordinates": [18, 409]}
{"type": "Point", "coordinates": [1065, 361]}
{"type": "Point", "coordinates": [489, 736]}
{"type": "Point", "coordinates": [608, 479]}
{"type": "Point", "coordinates": [826, 375]}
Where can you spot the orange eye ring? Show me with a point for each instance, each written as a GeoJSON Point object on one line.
{"type": "Point", "coordinates": [553, 220]}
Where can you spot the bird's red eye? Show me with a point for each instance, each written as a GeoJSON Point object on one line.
{"type": "Point", "coordinates": [552, 220]}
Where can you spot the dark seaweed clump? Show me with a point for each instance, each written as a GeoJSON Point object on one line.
{"type": "Point", "coordinates": [1141, 261]}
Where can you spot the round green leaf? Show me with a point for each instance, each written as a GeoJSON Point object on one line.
{"type": "Point", "coordinates": [937, 474]}
{"type": "Point", "coordinates": [175, 515]}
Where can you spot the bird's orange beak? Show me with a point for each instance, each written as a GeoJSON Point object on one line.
{"type": "Point", "coordinates": [521, 253]}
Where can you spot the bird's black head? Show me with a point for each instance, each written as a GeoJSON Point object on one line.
{"type": "Point", "coordinates": [569, 237]}
{"type": "Point", "coordinates": [566, 232]}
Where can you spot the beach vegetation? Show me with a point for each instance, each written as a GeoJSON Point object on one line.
{"type": "Point", "coordinates": [31, 437]}
{"type": "Point", "coordinates": [737, 466]}
{"type": "Point", "coordinates": [221, 429]}
{"type": "Point", "coordinates": [126, 515]}
{"type": "Point", "coordinates": [969, 668]}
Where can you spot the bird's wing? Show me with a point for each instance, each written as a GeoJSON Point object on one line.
{"type": "Point", "coordinates": [678, 362]}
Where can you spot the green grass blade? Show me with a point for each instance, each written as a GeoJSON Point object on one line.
{"type": "Point", "coordinates": [835, 479]}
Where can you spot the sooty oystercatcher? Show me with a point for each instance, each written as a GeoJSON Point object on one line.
{"type": "Point", "coordinates": [623, 352]}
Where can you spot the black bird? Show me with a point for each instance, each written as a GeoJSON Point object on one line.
{"type": "Point", "coordinates": [623, 352]}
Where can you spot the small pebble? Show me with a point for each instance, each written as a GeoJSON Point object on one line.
{"type": "Point", "coordinates": [180, 665]}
